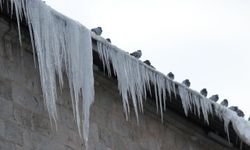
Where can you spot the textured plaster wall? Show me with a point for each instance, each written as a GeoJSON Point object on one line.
{"type": "Point", "coordinates": [24, 122]}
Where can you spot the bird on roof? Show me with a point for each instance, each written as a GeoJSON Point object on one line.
{"type": "Point", "coordinates": [240, 113]}
{"type": "Point", "coordinates": [204, 92]}
{"type": "Point", "coordinates": [108, 39]}
{"type": "Point", "coordinates": [136, 54]}
{"type": "Point", "coordinates": [97, 31]}
{"type": "Point", "coordinates": [233, 108]}
{"type": "Point", "coordinates": [224, 103]}
{"type": "Point", "coordinates": [214, 98]}
{"type": "Point", "coordinates": [147, 62]}
{"type": "Point", "coordinates": [186, 82]}
{"type": "Point", "coordinates": [170, 75]}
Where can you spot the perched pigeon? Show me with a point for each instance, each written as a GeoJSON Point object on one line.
{"type": "Point", "coordinates": [97, 31]}
{"type": "Point", "coordinates": [204, 92]}
{"type": "Point", "coordinates": [170, 75]}
{"type": "Point", "coordinates": [214, 98]}
{"type": "Point", "coordinates": [240, 113]}
{"type": "Point", "coordinates": [148, 63]}
{"type": "Point", "coordinates": [224, 103]}
{"type": "Point", "coordinates": [108, 39]}
{"type": "Point", "coordinates": [136, 54]}
{"type": "Point", "coordinates": [234, 108]}
{"type": "Point", "coordinates": [186, 82]}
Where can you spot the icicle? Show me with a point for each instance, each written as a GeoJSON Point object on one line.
{"type": "Point", "coordinates": [61, 45]}
{"type": "Point", "coordinates": [134, 79]}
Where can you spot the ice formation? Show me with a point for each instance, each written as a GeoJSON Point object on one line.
{"type": "Point", "coordinates": [134, 79]}
{"type": "Point", "coordinates": [62, 46]}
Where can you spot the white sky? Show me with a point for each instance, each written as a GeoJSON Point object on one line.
{"type": "Point", "coordinates": [205, 41]}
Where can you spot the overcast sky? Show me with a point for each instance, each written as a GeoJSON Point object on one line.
{"type": "Point", "coordinates": [205, 41]}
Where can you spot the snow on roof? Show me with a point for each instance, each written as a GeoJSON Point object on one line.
{"type": "Point", "coordinates": [64, 45]}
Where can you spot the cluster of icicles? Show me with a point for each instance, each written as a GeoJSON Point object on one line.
{"type": "Point", "coordinates": [64, 46]}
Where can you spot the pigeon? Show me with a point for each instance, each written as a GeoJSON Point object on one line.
{"type": "Point", "coordinates": [108, 39]}
{"type": "Point", "coordinates": [234, 108]}
{"type": "Point", "coordinates": [214, 98]}
{"type": "Point", "coordinates": [147, 62]}
{"type": "Point", "coordinates": [136, 54]}
{"type": "Point", "coordinates": [170, 75]}
{"type": "Point", "coordinates": [204, 92]}
{"type": "Point", "coordinates": [97, 31]}
{"type": "Point", "coordinates": [186, 82]}
{"type": "Point", "coordinates": [240, 113]}
{"type": "Point", "coordinates": [224, 103]}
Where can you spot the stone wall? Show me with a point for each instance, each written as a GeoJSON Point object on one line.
{"type": "Point", "coordinates": [24, 122]}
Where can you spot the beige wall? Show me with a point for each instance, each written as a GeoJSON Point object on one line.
{"type": "Point", "coordinates": [24, 122]}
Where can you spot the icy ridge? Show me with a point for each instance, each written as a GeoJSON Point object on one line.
{"type": "Point", "coordinates": [134, 78]}
{"type": "Point", "coordinates": [62, 45]}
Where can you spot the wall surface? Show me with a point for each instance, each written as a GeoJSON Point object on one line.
{"type": "Point", "coordinates": [24, 122]}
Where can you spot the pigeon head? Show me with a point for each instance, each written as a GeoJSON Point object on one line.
{"type": "Point", "coordinates": [214, 98]}
{"type": "Point", "coordinates": [147, 62]}
{"type": "Point", "coordinates": [240, 113]}
{"type": "Point", "coordinates": [108, 39]}
{"type": "Point", "coordinates": [224, 103]}
{"type": "Point", "coordinates": [97, 31]}
{"type": "Point", "coordinates": [186, 82]}
{"type": "Point", "coordinates": [204, 92]}
{"type": "Point", "coordinates": [171, 75]}
{"type": "Point", "coordinates": [99, 28]}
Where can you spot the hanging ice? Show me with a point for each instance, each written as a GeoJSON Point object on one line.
{"type": "Point", "coordinates": [134, 79]}
{"type": "Point", "coordinates": [62, 45]}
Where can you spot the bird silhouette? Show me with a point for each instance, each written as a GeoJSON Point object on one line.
{"type": "Point", "coordinates": [233, 108]}
{"type": "Point", "coordinates": [147, 62]}
{"type": "Point", "coordinates": [204, 92]}
{"type": "Point", "coordinates": [108, 39]}
{"type": "Point", "coordinates": [214, 98]}
{"type": "Point", "coordinates": [170, 75]}
{"type": "Point", "coordinates": [97, 31]}
{"type": "Point", "coordinates": [240, 113]}
{"type": "Point", "coordinates": [224, 103]}
{"type": "Point", "coordinates": [186, 82]}
{"type": "Point", "coordinates": [136, 54]}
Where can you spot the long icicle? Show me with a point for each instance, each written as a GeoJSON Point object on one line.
{"type": "Point", "coordinates": [61, 45]}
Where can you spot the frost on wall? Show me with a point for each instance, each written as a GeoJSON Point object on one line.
{"type": "Point", "coordinates": [62, 46]}
{"type": "Point", "coordinates": [134, 79]}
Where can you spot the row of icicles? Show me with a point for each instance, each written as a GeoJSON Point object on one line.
{"type": "Point", "coordinates": [137, 54]}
